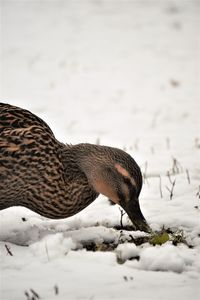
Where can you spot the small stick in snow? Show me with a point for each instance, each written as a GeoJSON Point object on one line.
{"type": "Point", "coordinates": [56, 290]}
{"type": "Point", "coordinates": [121, 218]}
{"type": "Point", "coordinates": [8, 250]}
{"type": "Point", "coordinates": [188, 176]}
{"type": "Point", "coordinates": [35, 294]}
{"type": "Point", "coordinates": [168, 174]}
{"type": "Point", "coordinates": [172, 189]}
{"type": "Point", "coordinates": [47, 252]}
{"type": "Point", "coordinates": [27, 295]}
{"type": "Point", "coordinates": [160, 187]}
{"type": "Point", "coordinates": [176, 168]}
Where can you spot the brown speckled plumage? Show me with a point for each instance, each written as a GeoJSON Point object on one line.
{"type": "Point", "coordinates": [58, 180]}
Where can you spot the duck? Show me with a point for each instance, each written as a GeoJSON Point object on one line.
{"type": "Point", "coordinates": [58, 180]}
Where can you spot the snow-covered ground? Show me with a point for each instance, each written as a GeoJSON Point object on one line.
{"type": "Point", "coordinates": [123, 73]}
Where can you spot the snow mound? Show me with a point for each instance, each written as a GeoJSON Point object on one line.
{"type": "Point", "coordinates": [168, 258]}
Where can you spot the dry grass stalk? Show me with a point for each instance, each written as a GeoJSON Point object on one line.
{"type": "Point", "coordinates": [160, 186]}
{"type": "Point", "coordinates": [188, 176]}
{"type": "Point", "coordinates": [122, 212]}
{"type": "Point", "coordinates": [171, 191]}
{"type": "Point", "coordinates": [8, 250]}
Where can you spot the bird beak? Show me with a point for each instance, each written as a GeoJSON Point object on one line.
{"type": "Point", "coordinates": [132, 208]}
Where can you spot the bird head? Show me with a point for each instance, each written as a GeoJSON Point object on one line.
{"type": "Point", "coordinates": [115, 174]}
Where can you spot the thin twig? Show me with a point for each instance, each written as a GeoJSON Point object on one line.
{"type": "Point", "coordinates": [35, 294]}
{"type": "Point", "coordinates": [121, 217]}
{"type": "Point", "coordinates": [56, 290]}
{"type": "Point", "coordinates": [188, 176]}
{"type": "Point", "coordinates": [47, 251]}
{"type": "Point", "coordinates": [176, 167]}
{"type": "Point", "coordinates": [8, 250]}
{"type": "Point", "coordinates": [160, 186]}
{"type": "Point", "coordinates": [171, 191]}
{"type": "Point", "coordinates": [27, 295]}
{"type": "Point", "coordinates": [169, 177]}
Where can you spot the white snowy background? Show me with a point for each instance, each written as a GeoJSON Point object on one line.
{"type": "Point", "coordinates": [125, 74]}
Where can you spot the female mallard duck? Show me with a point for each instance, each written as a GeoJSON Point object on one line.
{"type": "Point", "coordinates": [58, 180]}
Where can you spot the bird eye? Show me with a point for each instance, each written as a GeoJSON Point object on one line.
{"type": "Point", "coordinates": [127, 180]}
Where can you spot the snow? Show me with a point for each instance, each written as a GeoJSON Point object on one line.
{"type": "Point", "coordinates": [127, 251]}
{"type": "Point", "coordinates": [126, 74]}
{"type": "Point", "coordinates": [169, 258]}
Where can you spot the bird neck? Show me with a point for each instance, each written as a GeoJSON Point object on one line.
{"type": "Point", "coordinates": [79, 192]}
{"type": "Point", "coordinates": [96, 165]}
